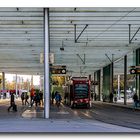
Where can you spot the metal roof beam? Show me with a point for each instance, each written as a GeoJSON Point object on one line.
{"type": "Point", "coordinates": [76, 38]}
{"type": "Point", "coordinates": [83, 60]}
{"type": "Point", "coordinates": [130, 39]}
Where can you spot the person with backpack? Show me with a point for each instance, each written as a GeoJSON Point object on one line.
{"type": "Point", "coordinates": [26, 98]}
{"type": "Point", "coordinates": [58, 98]}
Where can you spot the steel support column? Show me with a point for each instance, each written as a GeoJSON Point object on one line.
{"type": "Point", "coordinates": [137, 75]}
{"type": "Point", "coordinates": [129, 33]}
{"type": "Point", "coordinates": [46, 65]}
{"type": "Point", "coordinates": [94, 81]}
{"type": "Point", "coordinates": [125, 78]}
{"type": "Point", "coordinates": [99, 81]}
{"type": "Point", "coordinates": [111, 81]}
{"type": "Point", "coordinates": [139, 88]}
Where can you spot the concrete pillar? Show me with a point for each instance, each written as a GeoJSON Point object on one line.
{"type": "Point", "coordinates": [32, 85]}
{"type": "Point", "coordinates": [16, 86]}
{"type": "Point", "coordinates": [40, 83]}
{"type": "Point", "coordinates": [94, 81]}
{"type": "Point", "coordinates": [138, 86]}
{"type": "Point", "coordinates": [119, 87]}
{"type": "Point", "coordinates": [46, 65]}
{"type": "Point", "coordinates": [28, 85]}
{"type": "Point", "coordinates": [99, 85]}
{"type": "Point", "coordinates": [3, 80]}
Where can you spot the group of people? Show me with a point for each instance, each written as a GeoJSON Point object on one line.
{"type": "Point", "coordinates": [35, 97]}
{"type": "Point", "coordinates": [24, 98]}
{"type": "Point", "coordinates": [5, 95]}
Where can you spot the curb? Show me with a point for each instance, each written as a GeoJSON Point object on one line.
{"type": "Point", "coordinates": [119, 105]}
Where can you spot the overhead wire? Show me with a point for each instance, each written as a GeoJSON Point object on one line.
{"type": "Point", "coordinates": [115, 23]}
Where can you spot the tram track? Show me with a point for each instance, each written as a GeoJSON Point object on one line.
{"type": "Point", "coordinates": [112, 115]}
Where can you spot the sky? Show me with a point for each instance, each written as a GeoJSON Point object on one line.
{"type": "Point", "coordinates": [70, 3]}
{"type": "Point", "coordinates": [36, 79]}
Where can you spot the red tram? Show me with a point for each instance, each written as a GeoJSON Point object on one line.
{"type": "Point", "coordinates": [79, 92]}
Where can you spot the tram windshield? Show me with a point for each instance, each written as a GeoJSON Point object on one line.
{"type": "Point", "coordinates": [81, 91]}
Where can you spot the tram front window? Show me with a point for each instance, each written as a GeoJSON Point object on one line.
{"type": "Point", "coordinates": [81, 91]}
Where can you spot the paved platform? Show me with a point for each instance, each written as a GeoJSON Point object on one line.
{"type": "Point", "coordinates": [57, 125]}
{"type": "Point", "coordinates": [61, 120]}
{"type": "Point", "coordinates": [63, 112]}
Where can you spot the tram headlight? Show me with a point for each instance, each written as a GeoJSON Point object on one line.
{"type": "Point", "coordinates": [75, 101]}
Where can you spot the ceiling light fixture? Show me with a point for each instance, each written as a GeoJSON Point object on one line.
{"type": "Point", "coordinates": [62, 48]}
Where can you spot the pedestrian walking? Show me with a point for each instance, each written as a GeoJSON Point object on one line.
{"type": "Point", "coordinates": [37, 99]}
{"type": "Point", "coordinates": [22, 98]}
{"type": "Point", "coordinates": [58, 98]}
{"type": "Point", "coordinates": [41, 98]}
{"type": "Point", "coordinates": [111, 97]}
{"type": "Point", "coordinates": [12, 103]}
{"type": "Point", "coordinates": [135, 99]}
{"type": "Point", "coordinates": [26, 98]}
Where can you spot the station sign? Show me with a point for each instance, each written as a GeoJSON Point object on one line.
{"type": "Point", "coordinates": [58, 69]}
{"type": "Point", "coordinates": [134, 71]}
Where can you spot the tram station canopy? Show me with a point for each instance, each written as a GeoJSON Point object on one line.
{"type": "Point", "coordinates": [83, 39]}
